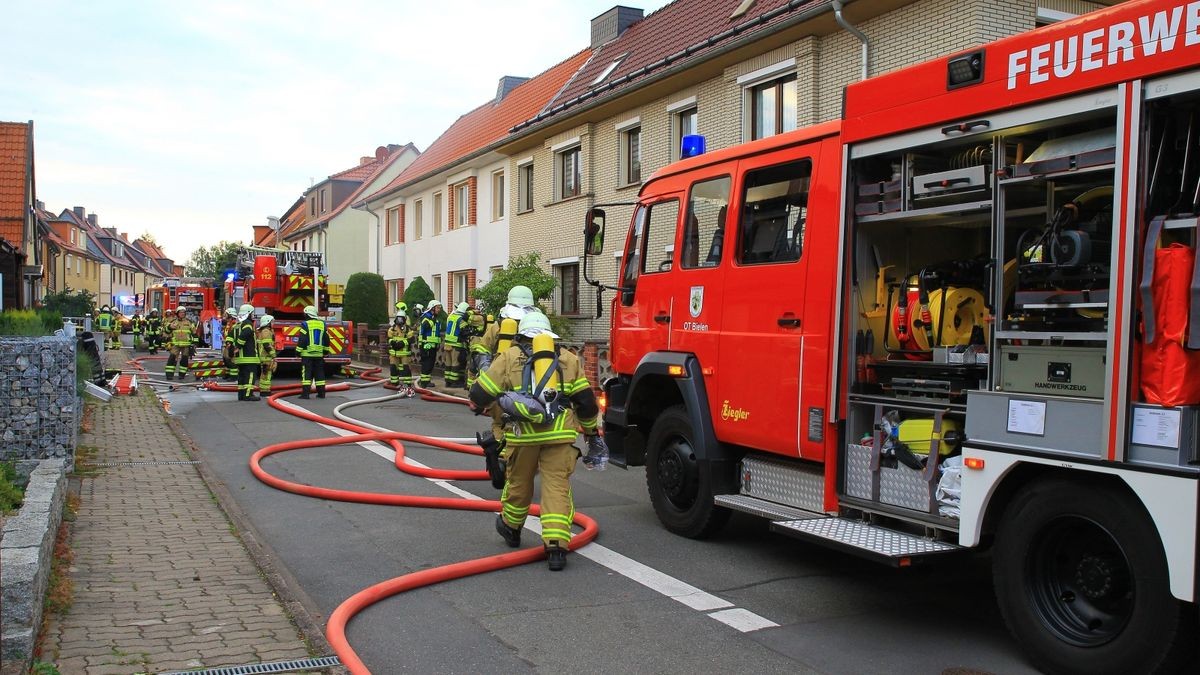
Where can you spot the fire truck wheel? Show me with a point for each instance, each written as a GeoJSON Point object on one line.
{"type": "Point", "coordinates": [680, 484]}
{"type": "Point", "coordinates": [1081, 579]}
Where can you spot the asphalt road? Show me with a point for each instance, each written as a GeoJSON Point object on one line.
{"type": "Point", "coordinates": [824, 611]}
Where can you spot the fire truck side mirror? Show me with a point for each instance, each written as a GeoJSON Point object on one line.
{"type": "Point", "coordinates": [593, 232]}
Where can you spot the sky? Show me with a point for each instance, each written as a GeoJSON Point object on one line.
{"type": "Point", "coordinates": [193, 120]}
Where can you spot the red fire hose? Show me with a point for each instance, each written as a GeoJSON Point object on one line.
{"type": "Point", "coordinates": [335, 631]}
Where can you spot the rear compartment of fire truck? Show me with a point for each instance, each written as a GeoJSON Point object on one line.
{"type": "Point", "coordinates": [981, 315]}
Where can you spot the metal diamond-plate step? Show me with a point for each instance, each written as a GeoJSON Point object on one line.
{"type": "Point", "coordinates": [791, 482]}
{"type": "Point", "coordinates": [871, 541]}
{"type": "Point", "coordinates": [763, 508]}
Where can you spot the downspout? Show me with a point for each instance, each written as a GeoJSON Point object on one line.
{"type": "Point", "coordinates": [866, 43]}
{"type": "Point", "coordinates": [378, 236]}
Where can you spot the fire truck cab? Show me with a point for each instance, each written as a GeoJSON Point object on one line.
{"type": "Point", "coordinates": [956, 318]}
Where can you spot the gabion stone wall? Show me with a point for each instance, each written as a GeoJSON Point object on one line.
{"type": "Point", "coordinates": [39, 410]}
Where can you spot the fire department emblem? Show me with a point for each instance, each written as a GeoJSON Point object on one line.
{"type": "Point", "coordinates": [696, 305]}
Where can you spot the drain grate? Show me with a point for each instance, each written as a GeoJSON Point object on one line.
{"type": "Point", "coordinates": [271, 667]}
{"type": "Point", "coordinates": [162, 463]}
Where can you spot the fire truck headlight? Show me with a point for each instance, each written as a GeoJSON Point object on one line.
{"type": "Point", "coordinates": [964, 70]}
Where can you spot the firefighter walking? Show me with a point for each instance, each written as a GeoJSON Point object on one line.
{"type": "Point", "coordinates": [153, 331]}
{"type": "Point", "coordinates": [545, 398]}
{"type": "Point", "coordinates": [399, 337]}
{"type": "Point", "coordinates": [244, 348]}
{"type": "Point", "coordinates": [182, 333]}
{"type": "Point", "coordinates": [266, 353]}
{"type": "Point", "coordinates": [104, 325]}
{"type": "Point", "coordinates": [455, 342]}
{"type": "Point", "coordinates": [312, 344]}
{"type": "Point", "coordinates": [429, 335]}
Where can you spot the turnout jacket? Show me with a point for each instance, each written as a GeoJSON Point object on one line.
{"type": "Point", "coordinates": [245, 343]}
{"type": "Point", "coordinates": [507, 373]}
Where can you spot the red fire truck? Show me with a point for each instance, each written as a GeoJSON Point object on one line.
{"type": "Point", "coordinates": [282, 283]}
{"type": "Point", "coordinates": [197, 296]}
{"type": "Point", "coordinates": [956, 318]}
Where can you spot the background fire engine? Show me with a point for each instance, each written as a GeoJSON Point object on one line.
{"type": "Point", "coordinates": [282, 283]}
{"type": "Point", "coordinates": [966, 315]}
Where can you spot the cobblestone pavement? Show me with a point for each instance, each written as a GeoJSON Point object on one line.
{"type": "Point", "coordinates": [161, 581]}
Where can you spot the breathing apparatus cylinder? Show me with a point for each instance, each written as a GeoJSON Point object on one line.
{"type": "Point", "coordinates": [543, 358]}
{"type": "Point", "coordinates": [508, 329]}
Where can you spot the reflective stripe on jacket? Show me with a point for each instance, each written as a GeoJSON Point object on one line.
{"type": "Point", "coordinates": [313, 340]}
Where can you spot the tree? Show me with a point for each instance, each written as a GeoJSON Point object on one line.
{"type": "Point", "coordinates": [212, 262]}
{"type": "Point", "coordinates": [417, 293]}
{"type": "Point", "coordinates": [70, 303]}
{"type": "Point", "coordinates": [522, 270]}
{"type": "Point", "coordinates": [146, 236]}
{"type": "Point", "coordinates": [365, 300]}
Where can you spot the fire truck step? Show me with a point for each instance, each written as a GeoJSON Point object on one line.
{"type": "Point", "coordinates": [797, 484]}
{"type": "Point", "coordinates": [863, 539]}
{"type": "Point", "coordinates": [763, 508]}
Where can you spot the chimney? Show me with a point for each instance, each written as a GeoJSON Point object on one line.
{"type": "Point", "coordinates": [93, 219]}
{"type": "Point", "coordinates": [382, 152]}
{"type": "Point", "coordinates": [125, 236]}
{"type": "Point", "coordinates": [507, 84]}
{"type": "Point", "coordinates": [609, 25]}
{"type": "Point", "coordinates": [78, 212]}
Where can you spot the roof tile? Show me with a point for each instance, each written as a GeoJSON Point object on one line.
{"type": "Point", "coordinates": [14, 162]}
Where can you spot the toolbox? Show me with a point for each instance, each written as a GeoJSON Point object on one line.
{"type": "Point", "coordinates": [1055, 370]}
{"type": "Point", "coordinates": [918, 435]}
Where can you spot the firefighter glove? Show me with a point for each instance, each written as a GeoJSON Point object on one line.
{"type": "Point", "coordinates": [596, 458]}
{"type": "Point", "coordinates": [492, 457]}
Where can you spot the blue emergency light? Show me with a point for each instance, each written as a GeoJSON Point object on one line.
{"type": "Point", "coordinates": [691, 145]}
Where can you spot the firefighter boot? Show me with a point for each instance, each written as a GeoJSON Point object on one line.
{"type": "Point", "coordinates": [320, 391]}
{"type": "Point", "coordinates": [556, 558]}
{"type": "Point", "coordinates": [304, 392]}
{"type": "Point", "coordinates": [511, 536]}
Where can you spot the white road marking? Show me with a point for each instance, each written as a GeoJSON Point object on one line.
{"type": "Point", "coordinates": [739, 619]}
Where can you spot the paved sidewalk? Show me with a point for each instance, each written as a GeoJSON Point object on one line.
{"type": "Point", "coordinates": [161, 582]}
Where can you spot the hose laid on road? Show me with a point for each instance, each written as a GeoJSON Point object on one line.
{"type": "Point", "coordinates": [335, 630]}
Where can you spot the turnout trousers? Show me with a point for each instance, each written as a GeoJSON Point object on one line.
{"type": "Point", "coordinates": [312, 374]}
{"type": "Point", "coordinates": [556, 463]}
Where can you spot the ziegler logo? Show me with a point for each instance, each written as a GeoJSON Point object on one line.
{"type": "Point", "coordinates": [1149, 35]}
{"type": "Point", "coordinates": [735, 414]}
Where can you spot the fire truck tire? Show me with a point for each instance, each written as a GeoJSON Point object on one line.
{"type": "Point", "coordinates": [680, 483]}
{"type": "Point", "coordinates": [1081, 579]}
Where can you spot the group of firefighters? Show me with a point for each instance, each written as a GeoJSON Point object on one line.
{"type": "Point", "coordinates": [538, 398]}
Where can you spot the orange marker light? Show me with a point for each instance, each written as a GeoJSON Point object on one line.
{"type": "Point", "coordinates": [602, 399]}
{"type": "Point", "coordinates": [675, 371]}
{"type": "Point", "coordinates": [975, 463]}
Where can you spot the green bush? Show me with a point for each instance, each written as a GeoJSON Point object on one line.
{"type": "Point", "coordinates": [70, 303]}
{"type": "Point", "coordinates": [417, 293]}
{"type": "Point", "coordinates": [365, 301]}
{"type": "Point", "coordinates": [10, 494]}
{"type": "Point", "coordinates": [29, 323]}
{"type": "Point", "coordinates": [85, 370]}
{"type": "Point", "coordinates": [524, 270]}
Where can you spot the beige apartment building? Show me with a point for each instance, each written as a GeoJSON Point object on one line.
{"type": "Point", "coordinates": [731, 71]}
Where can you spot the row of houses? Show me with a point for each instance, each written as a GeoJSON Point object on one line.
{"type": "Point", "coordinates": [42, 252]}
{"type": "Point", "coordinates": [516, 174]}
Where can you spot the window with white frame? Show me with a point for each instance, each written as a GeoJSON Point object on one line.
{"type": "Point", "coordinates": [394, 291]}
{"type": "Point", "coordinates": [437, 287]}
{"type": "Point", "coordinates": [567, 276]}
{"type": "Point", "coordinates": [437, 213]}
{"type": "Point", "coordinates": [459, 279]}
{"type": "Point", "coordinates": [498, 195]}
{"type": "Point", "coordinates": [525, 187]}
{"type": "Point", "coordinates": [322, 200]}
{"type": "Point", "coordinates": [462, 205]}
{"type": "Point", "coordinates": [568, 174]}
{"type": "Point", "coordinates": [772, 107]}
{"type": "Point", "coordinates": [630, 156]}
{"type": "Point", "coordinates": [394, 234]}
{"type": "Point", "coordinates": [683, 123]}
{"type": "Point", "coordinates": [418, 218]}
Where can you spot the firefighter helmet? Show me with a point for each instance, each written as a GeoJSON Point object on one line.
{"type": "Point", "coordinates": [419, 308]}
{"type": "Point", "coordinates": [231, 312]}
{"type": "Point", "coordinates": [311, 312]}
{"type": "Point", "coordinates": [520, 296]}
{"type": "Point", "coordinates": [401, 307]}
{"type": "Point", "coordinates": [105, 309]}
{"type": "Point", "coordinates": [245, 311]}
{"type": "Point", "coordinates": [535, 323]}
{"type": "Point", "coordinates": [153, 312]}
{"type": "Point", "coordinates": [433, 304]}
{"type": "Point", "coordinates": [265, 320]}
{"type": "Point", "coordinates": [180, 310]}
{"type": "Point", "coordinates": [462, 308]}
